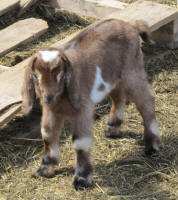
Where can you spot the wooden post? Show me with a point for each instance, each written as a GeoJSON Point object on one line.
{"type": "Point", "coordinates": [167, 35]}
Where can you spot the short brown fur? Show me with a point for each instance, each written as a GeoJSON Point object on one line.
{"type": "Point", "coordinates": [64, 87]}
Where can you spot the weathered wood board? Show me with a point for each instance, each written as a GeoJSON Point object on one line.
{"type": "Point", "coordinates": [8, 115]}
{"type": "Point", "coordinates": [6, 6]}
{"type": "Point", "coordinates": [3, 68]}
{"type": "Point", "coordinates": [92, 8]}
{"type": "Point", "coordinates": [156, 15]}
{"type": "Point", "coordinates": [21, 32]}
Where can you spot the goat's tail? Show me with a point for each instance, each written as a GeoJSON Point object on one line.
{"type": "Point", "coordinates": [143, 30]}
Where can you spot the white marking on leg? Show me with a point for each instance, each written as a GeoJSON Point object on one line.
{"type": "Point", "coordinates": [120, 112]}
{"type": "Point", "coordinates": [96, 95]}
{"type": "Point", "coordinates": [154, 128]}
{"type": "Point", "coordinates": [44, 133]}
{"type": "Point", "coordinates": [83, 144]}
{"type": "Point", "coordinates": [54, 151]}
{"type": "Point", "coordinates": [49, 56]}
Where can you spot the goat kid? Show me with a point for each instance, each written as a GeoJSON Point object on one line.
{"type": "Point", "coordinates": [103, 59]}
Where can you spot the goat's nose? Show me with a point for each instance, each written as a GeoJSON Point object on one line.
{"type": "Point", "coordinates": [49, 99]}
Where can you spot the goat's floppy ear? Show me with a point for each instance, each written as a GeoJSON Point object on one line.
{"type": "Point", "coordinates": [72, 83]}
{"type": "Point", "coordinates": [68, 71]}
{"type": "Point", "coordinates": [28, 88]}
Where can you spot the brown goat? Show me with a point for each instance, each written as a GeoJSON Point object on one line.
{"type": "Point", "coordinates": [103, 59]}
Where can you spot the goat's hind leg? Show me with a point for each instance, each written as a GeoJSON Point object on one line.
{"type": "Point", "coordinates": [116, 115]}
{"type": "Point", "coordinates": [142, 96]}
{"type": "Point", "coordinates": [50, 130]}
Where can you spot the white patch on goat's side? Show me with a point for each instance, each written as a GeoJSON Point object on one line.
{"type": "Point", "coordinates": [96, 94]}
{"type": "Point", "coordinates": [154, 128]}
{"type": "Point", "coordinates": [49, 56]}
{"type": "Point", "coordinates": [83, 144]}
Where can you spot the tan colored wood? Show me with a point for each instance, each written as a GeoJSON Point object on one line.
{"type": "Point", "coordinates": [20, 33]}
{"type": "Point", "coordinates": [156, 15]}
{"type": "Point", "coordinates": [8, 5]}
{"type": "Point", "coordinates": [9, 114]}
{"type": "Point", "coordinates": [3, 68]}
{"type": "Point", "coordinates": [92, 8]}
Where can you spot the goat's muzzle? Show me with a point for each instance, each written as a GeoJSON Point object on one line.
{"type": "Point", "coordinates": [49, 99]}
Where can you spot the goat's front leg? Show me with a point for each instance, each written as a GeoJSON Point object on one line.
{"type": "Point", "coordinates": [82, 140]}
{"type": "Point", "coordinates": [50, 130]}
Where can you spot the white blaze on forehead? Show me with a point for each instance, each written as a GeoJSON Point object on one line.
{"type": "Point", "coordinates": [83, 144]}
{"type": "Point", "coordinates": [96, 94]}
{"type": "Point", "coordinates": [154, 128]}
{"type": "Point", "coordinates": [49, 56]}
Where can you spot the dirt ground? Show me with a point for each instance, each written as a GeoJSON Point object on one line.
{"type": "Point", "coordinates": [122, 171]}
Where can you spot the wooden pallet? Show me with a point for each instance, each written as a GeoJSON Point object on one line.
{"type": "Point", "coordinates": [92, 8]}
{"type": "Point", "coordinates": [20, 33]}
{"type": "Point", "coordinates": [7, 6]}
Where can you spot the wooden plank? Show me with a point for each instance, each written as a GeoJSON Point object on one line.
{"type": "Point", "coordinates": [156, 15]}
{"type": "Point", "coordinates": [9, 114]}
{"type": "Point", "coordinates": [20, 33]}
{"type": "Point", "coordinates": [3, 68]}
{"type": "Point", "coordinates": [6, 6]}
{"type": "Point", "coordinates": [92, 8]}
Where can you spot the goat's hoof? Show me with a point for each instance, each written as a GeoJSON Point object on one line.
{"type": "Point", "coordinates": [80, 183]}
{"type": "Point", "coordinates": [151, 150]}
{"type": "Point", "coordinates": [111, 131]}
{"type": "Point", "coordinates": [46, 171]}
{"type": "Point", "coordinates": [152, 146]}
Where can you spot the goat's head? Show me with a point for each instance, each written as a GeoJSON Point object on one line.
{"type": "Point", "coordinates": [51, 71]}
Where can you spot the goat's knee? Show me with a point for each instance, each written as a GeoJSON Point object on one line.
{"type": "Point", "coordinates": [84, 168]}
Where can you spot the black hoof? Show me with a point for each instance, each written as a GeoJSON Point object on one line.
{"type": "Point", "coordinates": [80, 183]}
{"type": "Point", "coordinates": [150, 151]}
